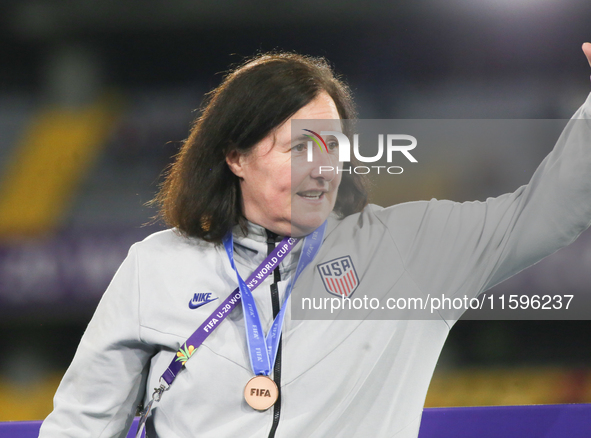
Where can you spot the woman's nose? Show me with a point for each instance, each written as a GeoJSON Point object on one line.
{"type": "Point", "coordinates": [324, 165]}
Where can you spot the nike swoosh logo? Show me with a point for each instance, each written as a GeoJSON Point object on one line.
{"type": "Point", "coordinates": [192, 305]}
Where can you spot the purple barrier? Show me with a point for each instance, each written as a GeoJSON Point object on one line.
{"type": "Point", "coordinates": [30, 429]}
{"type": "Point", "coordinates": [539, 421]}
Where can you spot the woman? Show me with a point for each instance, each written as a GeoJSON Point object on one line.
{"type": "Point", "coordinates": [334, 378]}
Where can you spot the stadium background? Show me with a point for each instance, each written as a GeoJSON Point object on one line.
{"type": "Point", "coordinates": [95, 97]}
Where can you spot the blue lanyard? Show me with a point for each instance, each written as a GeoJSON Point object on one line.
{"type": "Point", "coordinates": [263, 350]}
{"type": "Point", "coordinates": [267, 348]}
{"type": "Point", "coordinates": [211, 323]}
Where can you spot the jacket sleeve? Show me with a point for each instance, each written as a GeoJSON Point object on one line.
{"type": "Point", "coordinates": [99, 393]}
{"type": "Point", "coordinates": [463, 249]}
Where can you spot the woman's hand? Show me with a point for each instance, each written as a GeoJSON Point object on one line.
{"type": "Point", "coordinates": [587, 51]}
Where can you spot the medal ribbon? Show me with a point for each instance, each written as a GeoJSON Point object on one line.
{"type": "Point", "coordinates": [263, 350]}
{"type": "Point", "coordinates": [211, 323]}
{"type": "Point", "coordinates": [226, 307]}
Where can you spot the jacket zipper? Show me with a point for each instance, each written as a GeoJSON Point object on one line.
{"type": "Point", "coordinates": [271, 237]}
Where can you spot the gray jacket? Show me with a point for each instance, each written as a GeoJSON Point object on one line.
{"type": "Point", "coordinates": [340, 377]}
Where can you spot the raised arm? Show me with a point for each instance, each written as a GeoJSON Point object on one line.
{"type": "Point", "coordinates": [465, 248]}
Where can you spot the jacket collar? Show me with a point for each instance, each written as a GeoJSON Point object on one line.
{"type": "Point", "coordinates": [251, 248]}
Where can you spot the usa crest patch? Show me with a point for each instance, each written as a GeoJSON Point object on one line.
{"type": "Point", "coordinates": [339, 276]}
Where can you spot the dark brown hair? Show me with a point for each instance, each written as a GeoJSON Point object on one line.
{"type": "Point", "coordinates": [200, 195]}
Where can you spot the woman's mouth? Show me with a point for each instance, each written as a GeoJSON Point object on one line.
{"type": "Point", "coordinates": [312, 194]}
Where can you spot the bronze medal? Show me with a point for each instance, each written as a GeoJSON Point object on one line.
{"type": "Point", "coordinates": [261, 393]}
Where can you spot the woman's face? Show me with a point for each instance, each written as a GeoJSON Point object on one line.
{"type": "Point", "coordinates": [283, 191]}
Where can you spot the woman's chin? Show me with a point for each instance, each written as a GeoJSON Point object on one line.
{"type": "Point", "coordinates": [304, 227]}
{"type": "Point", "coordinates": [299, 225]}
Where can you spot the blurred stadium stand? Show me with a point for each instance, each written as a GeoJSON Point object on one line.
{"type": "Point", "coordinates": [95, 99]}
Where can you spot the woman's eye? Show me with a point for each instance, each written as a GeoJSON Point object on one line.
{"type": "Point", "coordinates": [332, 145]}
{"type": "Point", "coordinates": [299, 147]}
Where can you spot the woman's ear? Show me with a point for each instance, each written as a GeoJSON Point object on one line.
{"type": "Point", "coordinates": [235, 161]}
